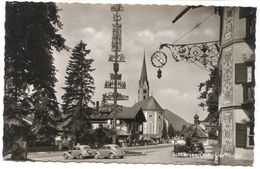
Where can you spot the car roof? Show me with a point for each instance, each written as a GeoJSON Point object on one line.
{"type": "Point", "coordinates": [82, 146]}
{"type": "Point", "coordinates": [111, 145]}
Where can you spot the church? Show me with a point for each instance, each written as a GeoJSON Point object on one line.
{"type": "Point", "coordinates": [152, 110]}
{"type": "Point", "coordinates": [145, 119]}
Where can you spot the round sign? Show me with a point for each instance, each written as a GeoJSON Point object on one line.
{"type": "Point", "coordinates": [159, 59]}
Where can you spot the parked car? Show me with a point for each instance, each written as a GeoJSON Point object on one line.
{"type": "Point", "coordinates": [180, 146]}
{"type": "Point", "coordinates": [110, 151]}
{"type": "Point", "coordinates": [79, 151]}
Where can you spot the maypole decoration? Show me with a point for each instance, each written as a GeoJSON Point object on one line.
{"type": "Point", "coordinates": [116, 57]}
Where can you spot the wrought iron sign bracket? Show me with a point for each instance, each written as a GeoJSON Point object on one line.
{"type": "Point", "coordinates": [205, 54]}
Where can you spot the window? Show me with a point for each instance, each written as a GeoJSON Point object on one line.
{"type": "Point", "coordinates": [144, 97]}
{"type": "Point", "coordinates": [250, 15]}
{"type": "Point", "coordinates": [150, 127]}
{"type": "Point", "coordinates": [249, 73]}
{"type": "Point", "coordinates": [250, 136]}
{"type": "Point", "coordinates": [150, 116]}
{"type": "Point", "coordinates": [86, 148]}
{"type": "Point", "coordinates": [249, 93]}
{"type": "Point", "coordinates": [144, 91]}
{"type": "Point", "coordinates": [244, 73]}
{"type": "Point", "coordinates": [241, 132]}
{"type": "Point", "coordinates": [244, 135]}
{"type": "Point", "coordinates": [240, 73]}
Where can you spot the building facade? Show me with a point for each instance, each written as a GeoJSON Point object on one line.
{"type": "Point", "coordinates": [153, 113]}
{"type": "Point", "coordinates": [236, 99]}
{"type": "Point", "coordinates": [128, 125]}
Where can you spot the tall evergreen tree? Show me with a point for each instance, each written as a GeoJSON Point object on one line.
{"type": "Point", "coordinates": [78, 94]}
{"type": "Point", "coordinates": [31, 35]}
{"type": "Point", "coordinates": [171, 131]}
{"type": "Point", "coordinates": [164, 130]}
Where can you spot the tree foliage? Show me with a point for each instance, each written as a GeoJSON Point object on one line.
{"type": "Point", "coordinates": [30, 38]}
{"type": "Point", "coordinates": [164, 130]}
{"type": "Point", "coordinates": [78, 94]}
{"type": "Point", "coordinates": [209, 94]}
{"type": "Point", "coordinates": [102, 136]}
{"type": "Point", "coordinates": [171, 131]}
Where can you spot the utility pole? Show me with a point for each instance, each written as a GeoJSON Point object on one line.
{"type": "Point", "coordinates": [115, 82]}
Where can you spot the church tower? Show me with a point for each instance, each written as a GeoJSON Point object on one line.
{"type": "Point", "coordinates": [143, 90]}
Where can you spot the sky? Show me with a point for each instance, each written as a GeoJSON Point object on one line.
{"type": "Point", "coordinates": [144, 28]}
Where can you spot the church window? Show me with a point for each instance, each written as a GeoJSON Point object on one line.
{"type": "Point", "coordinates": [150, 116]}
{"type": "Point", "coordinates": [159, 117]}
{"type": "Point", "coordinates": [150, 128]}
{"type": "Point", "coordinates": [144, 97]}
{"type": "Point", "coordinates": [144, 91]}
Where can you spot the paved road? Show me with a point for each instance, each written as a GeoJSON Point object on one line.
{"type": "Point", "coordinates": [159, 155]}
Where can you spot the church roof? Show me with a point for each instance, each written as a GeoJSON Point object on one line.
{"type": "Point", "coordinates": [149, 104]}
{"type": "Point", "coordinates": [143, 77]}
{"type": "Point", "coordinates": [127, 113]}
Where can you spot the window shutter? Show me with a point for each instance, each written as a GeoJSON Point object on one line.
{"type": "Point", "coordinates": [240, 73]}
{"type": "Point", "coordinates": [244, 12]}
{"type": "Point", "coordinates": [241, 135]}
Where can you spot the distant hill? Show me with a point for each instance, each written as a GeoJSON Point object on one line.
{"type": "Point", "coordinates": [176, 121]}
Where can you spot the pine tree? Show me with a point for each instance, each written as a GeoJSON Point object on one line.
{"type": "Point", "coordinates": [164, 130]}
{"type": "Point", "coordinates": [78, 95]}
{"type": "Point", "coordinates": [31, 35]}
{"type": "Point", "coordinates": [104, 102]}
{"type": "Point", "coordinates": [45, 119]}
{"type": "Point", "coordinates": [171, 131]}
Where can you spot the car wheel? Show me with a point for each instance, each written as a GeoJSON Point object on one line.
{"type": "Point", "coordinates": [81, 156]}
{"type": "Point", "coordinates": [97, 156]}
{"type": "Point", "coordinates": [65, 156]}
{"type": "Point", "coordinates": [111, 156]}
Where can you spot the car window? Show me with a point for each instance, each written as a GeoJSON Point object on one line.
{"type": "Point", "coordinates": [116, 147]}
{"type": "Point", "coordinates": [108, 147]}
{"type": "Point", "coordinates": [77, 148]}
{"type": "Point", "coordinates": [74, 148]}
{"type": "Point", "coordinates": [86, 148]}
{"type": "Point", "coordinates": [104, 147]}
